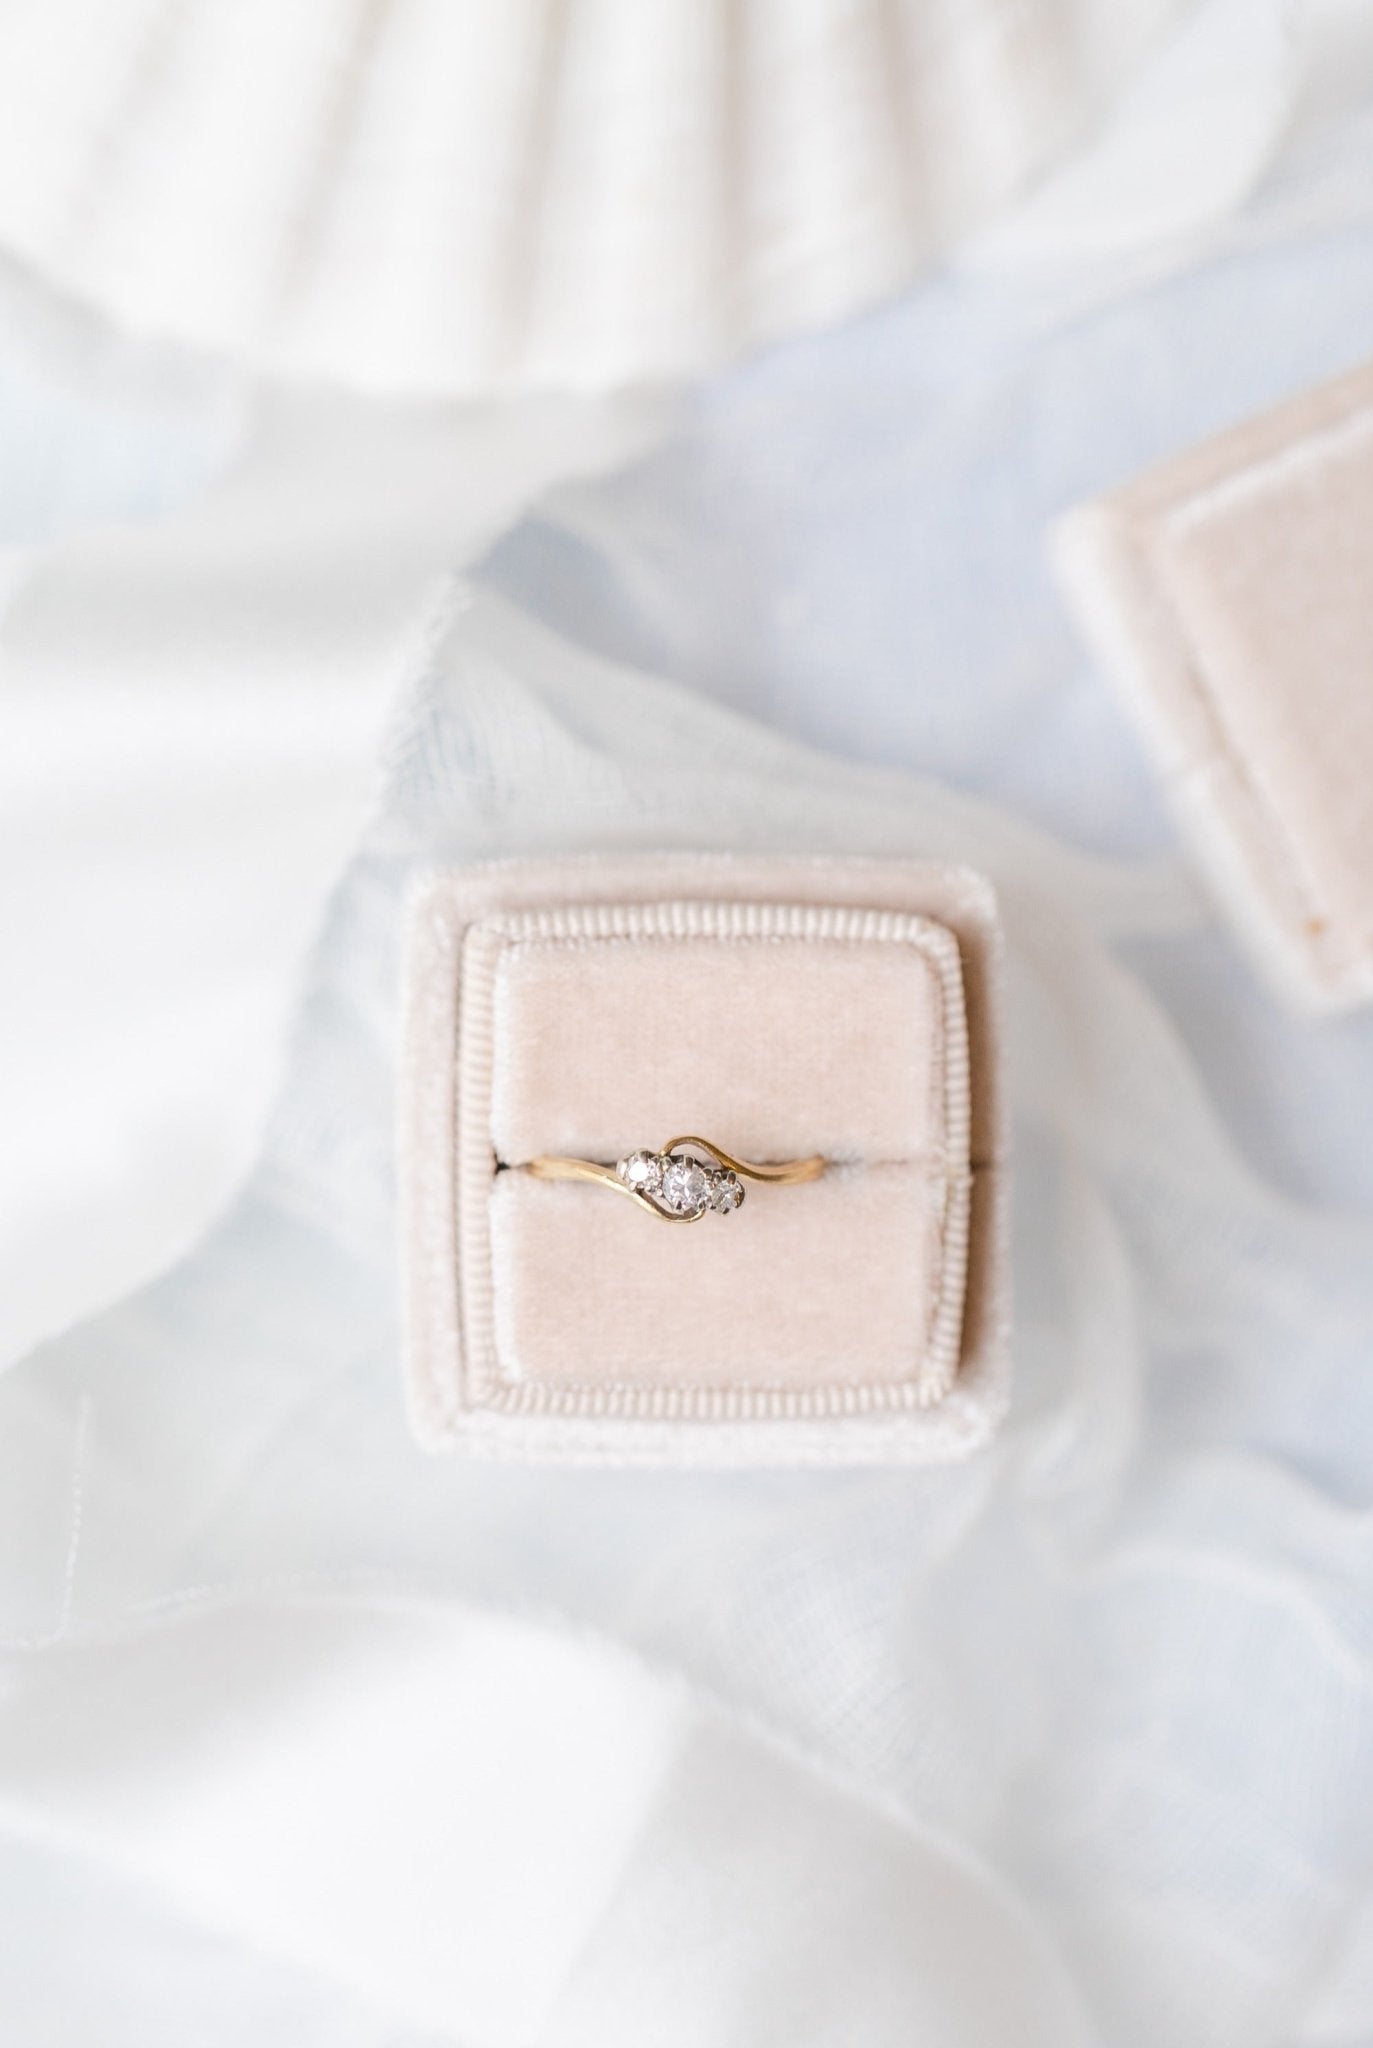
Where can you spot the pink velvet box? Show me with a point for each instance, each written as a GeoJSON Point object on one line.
{"type": "Point", "coordinates": [1229, 592]}
{"type": "Point", "coordinates": [783, 1007]}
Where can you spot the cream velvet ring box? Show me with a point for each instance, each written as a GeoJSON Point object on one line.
{"type": "Point", "coordinates": [1230, 593]}
{"type": "Point", "coordinates": [782, 1007]}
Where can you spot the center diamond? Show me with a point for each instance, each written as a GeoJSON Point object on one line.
{"type": "Point", "coordinates": [685, 1188]}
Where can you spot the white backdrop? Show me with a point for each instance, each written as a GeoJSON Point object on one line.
{"type": "Point", "coordinates": [307, 1738]}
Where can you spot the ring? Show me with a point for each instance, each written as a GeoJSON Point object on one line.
{"type": "Point", "coordinates": [675, 1185]}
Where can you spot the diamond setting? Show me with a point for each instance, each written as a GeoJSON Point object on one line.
{"type": "Point", "coordinates": [642, 1171]}
{"type": "Point", "coordinates": [677, 1184]}
{"type": "Point", "coordinates": [685, 1188]}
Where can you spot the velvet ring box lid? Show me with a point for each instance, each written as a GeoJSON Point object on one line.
{"type": "Point", "coordinates": [1229, 594]}
{"type": "Point", "coordinates": [782, 1007]}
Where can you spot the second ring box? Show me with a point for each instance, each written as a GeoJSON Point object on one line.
{"type": "Point", "coordinates": [780, 1007]}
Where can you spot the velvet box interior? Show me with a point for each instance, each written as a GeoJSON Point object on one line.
{"type": "Point", "coordinates": [782, 1007]}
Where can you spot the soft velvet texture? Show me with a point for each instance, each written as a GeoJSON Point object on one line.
{"type": "Point", "coordinates": [1229, 591]}
{"type": "Point", "coordinates": [777, 1047]}
{"type": "Point", "coordinates": [780, 1007]}
{"type": "Point", "coordinates": [588, 1293]}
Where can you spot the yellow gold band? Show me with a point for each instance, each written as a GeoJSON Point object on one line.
{"type": "Point", "coordinates": [675, 1186]}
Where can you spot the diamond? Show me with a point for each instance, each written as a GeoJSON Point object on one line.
{"type": "Point", "coordinates": [726, 1194]}
{"type": "Point", "coordinates": [641, 1171]}
{"type": "Point", "coordinates": [685, 1187]}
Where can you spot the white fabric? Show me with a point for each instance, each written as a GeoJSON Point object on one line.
{"type": "Point", "coordinates": [190, 712]}
{"type": "Point", "coordinates": [498, 1777]}
{"type": "Point", "coordinates": [1075, 1742]}
{"type": "Point", "coordinates": [1036, 1657]}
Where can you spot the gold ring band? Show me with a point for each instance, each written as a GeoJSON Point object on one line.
{"type": "Point", "coordinates": [675, 1186]}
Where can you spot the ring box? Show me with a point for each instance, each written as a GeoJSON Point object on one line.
{"type": "Point", "coordinates": [1228, 592]}
{"type": "Point", "coordinates": [781, 1006]}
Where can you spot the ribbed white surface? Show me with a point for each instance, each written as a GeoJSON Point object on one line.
{"type": "Point", "coordinates": [417, 195]}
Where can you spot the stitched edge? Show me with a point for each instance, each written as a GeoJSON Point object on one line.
{"type": "Point", "coordinates": [449, 901]}
{"type": "Point", "coordinates": [484, 1385]}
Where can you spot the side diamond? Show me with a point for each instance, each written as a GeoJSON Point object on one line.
{"type": "Point", "coordinates": [642, 1171]}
